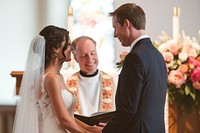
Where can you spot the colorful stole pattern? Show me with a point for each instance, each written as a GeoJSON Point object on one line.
{"type": "Point", "coordinates": [106, 102]}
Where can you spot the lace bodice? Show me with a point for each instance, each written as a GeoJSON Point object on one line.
{"type": "Point", "coordinates": [47, 110]}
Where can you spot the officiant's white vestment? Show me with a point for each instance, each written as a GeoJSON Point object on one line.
{"type": "Point", "coordinates": [95, 94]}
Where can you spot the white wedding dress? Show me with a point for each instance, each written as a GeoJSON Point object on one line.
{"type": "Point", "coordinates": [50, 123]}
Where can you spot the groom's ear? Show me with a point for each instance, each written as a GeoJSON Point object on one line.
{"type": "Point", "coordinates": [126, 23]}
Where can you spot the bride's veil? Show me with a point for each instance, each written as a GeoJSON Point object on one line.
{"type": "Point", "coordinates": [27, 117]}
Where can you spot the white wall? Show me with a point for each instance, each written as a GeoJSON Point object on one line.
{"type": "Point", "coordinates": [21, 20]}
{"type": "Point", "coordinates": [17, 26]}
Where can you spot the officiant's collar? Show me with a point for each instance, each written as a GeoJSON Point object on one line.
{"type": "Point", "coordinates": [89, 75]}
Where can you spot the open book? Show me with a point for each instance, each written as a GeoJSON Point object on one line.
{"type": "Point", "coordinates": [95, 118]}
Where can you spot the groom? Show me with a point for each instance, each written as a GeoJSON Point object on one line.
{"type": "Point", "coordinates": [142, 84]}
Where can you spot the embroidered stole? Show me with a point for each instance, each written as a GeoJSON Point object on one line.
{"type": "Point", "coordinates": [106, 102]}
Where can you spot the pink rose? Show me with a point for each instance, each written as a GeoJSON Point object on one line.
{"type": "Point", "coordinates": [195, 75]}
{"type": "Point", "coordinates": [183, 68]}
{"type": "Point", "coordinates": [190, 51]}
{"type": "Point", "coordinates": [177, 78]}
{"type": "Point", "coordinates": [168, 57]}
{"type": "Point", "coordinates": [173, 47]}
{"type": "Point", "coordinates": [196, 85]}
{"type": "Point", "coordinates": [193, 61]}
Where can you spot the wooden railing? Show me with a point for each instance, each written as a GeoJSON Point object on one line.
{"type": "Point", "coordinates": [18, 75]}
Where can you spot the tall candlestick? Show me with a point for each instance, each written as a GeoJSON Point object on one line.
{"type": "Point", "coordinates": [176, 23]}
{"type": "Point", "coordinates": [199, 33]}
{"type": "Point", "coordinates": [70, 23]}
{"type": "Point", "coordinates": [70, 20]}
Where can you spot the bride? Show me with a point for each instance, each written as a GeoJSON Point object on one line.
{"type": "Point", "coordinates": [45, 105]}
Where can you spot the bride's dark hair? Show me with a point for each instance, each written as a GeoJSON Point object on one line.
{"type": "Point", "coordinates": [54, 37]}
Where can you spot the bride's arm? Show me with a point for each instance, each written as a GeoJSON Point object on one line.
{"type": "Point", "coordinates": [52, 86]}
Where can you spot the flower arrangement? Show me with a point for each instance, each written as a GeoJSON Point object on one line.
{"type": "Point", "coordinates": [182, 59]}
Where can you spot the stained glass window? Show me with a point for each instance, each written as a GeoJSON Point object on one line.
{"type": "Point", "coordinates": [91, 18]}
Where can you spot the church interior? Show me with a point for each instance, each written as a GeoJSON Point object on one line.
{"type": "Point", "coordinates": [22, 20]}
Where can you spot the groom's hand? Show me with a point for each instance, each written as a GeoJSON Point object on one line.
{"type": "Point", "coordinates": [102, 124]}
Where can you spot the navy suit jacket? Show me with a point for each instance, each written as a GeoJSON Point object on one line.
{"type": "Point", "coordinates": [141, 92]}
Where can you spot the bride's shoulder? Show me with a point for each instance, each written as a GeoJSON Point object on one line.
{"type": "Point", "coordinates": [51, 80]}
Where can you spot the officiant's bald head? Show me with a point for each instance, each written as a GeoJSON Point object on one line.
{"type": "Point", "coordinates": [85, 54]}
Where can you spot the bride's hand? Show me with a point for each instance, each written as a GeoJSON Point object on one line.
{"type": "Point", "coordinates": [96, 129]}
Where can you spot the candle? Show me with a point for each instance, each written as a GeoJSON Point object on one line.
{"type": "Point", "coordinates": [176, 23]}
{"type": "Point", "coordinates": [70, 23]}
{"type": "Point", "coordinates": [70, 20]}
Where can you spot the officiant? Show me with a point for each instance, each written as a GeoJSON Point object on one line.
{"type": "Point", "coordinates": [95, 89]}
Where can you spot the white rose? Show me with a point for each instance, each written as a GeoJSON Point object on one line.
{"type": "Point", "coordinates": [183, 56]}
{"type": "Point", "coordinates": [163, 48]}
